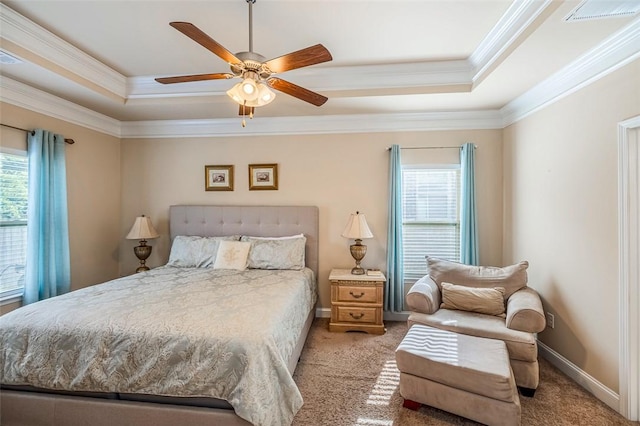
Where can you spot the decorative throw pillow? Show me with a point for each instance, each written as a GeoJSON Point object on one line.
{"type": "Point", "coordinates": [512, 278]}
{"type": "Point", "coordinates": [194, 251]}
{"type": "Point", "coordinates": [185, 251]}
{"type": "Point", "coordinates": [232, 255]}
{"type": "Point", "coordinates": [488, 301]}
{"type": "Point", "coordinates": [277, 252]}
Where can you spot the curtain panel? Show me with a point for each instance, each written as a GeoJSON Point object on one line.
{"type": "Point", "coordinates": [48, 271]}
{"type": "Point", "coordinates": [468, 214]}
{"type": "Point", "coordinates": [394, 291]}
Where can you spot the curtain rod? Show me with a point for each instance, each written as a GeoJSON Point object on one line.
{"type": "Point", "coordinates": [432, 147]}
{"type": "Point", "coordinates": [69, 141]}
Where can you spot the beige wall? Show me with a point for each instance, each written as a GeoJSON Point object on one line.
{"type": "Point", "coordinates": [338, 173]}
{"type": "Point", "coordinates": [93, 186]}
{"type": "Point", "coordinates": [560, 169]}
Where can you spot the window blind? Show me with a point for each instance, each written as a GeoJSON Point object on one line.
{"type": "Point", "coordinates": [13, 222]}
{"type": "Point", "coordinates": [431, 223]}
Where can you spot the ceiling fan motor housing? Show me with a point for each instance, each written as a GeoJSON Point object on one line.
{"type": "Point", "coordinates": [251, 61]}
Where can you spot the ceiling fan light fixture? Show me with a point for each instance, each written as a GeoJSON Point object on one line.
{"type": "Point", "coordinates": [265, 95]}
{"type": "Point", "coordinates": [261, 96]}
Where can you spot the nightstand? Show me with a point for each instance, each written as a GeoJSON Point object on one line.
{"type": "Point", "coordinates": [356, 302]}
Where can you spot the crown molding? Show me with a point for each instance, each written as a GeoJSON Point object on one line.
{"type": "Point", "coordinates": [328, 124]}
{"type": "Point", "coordinates": [24, 96]}
{"type": "Point", "coordinates": [504, 36]}
{"type": "Point", "coordinates": [44, 44]}
{"type": "Point", "coordinates": [614, 52]}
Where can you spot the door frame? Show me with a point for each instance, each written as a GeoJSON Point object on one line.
{"type": "Point", "coordinates": [629, 266]}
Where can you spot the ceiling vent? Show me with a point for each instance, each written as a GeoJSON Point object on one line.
{"type": "Point", "coordinates": [7, 59]}
{"type": "Point", "coordinates": [601, 9]}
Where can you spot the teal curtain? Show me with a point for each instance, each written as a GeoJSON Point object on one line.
{"type": "Point", "coordinates": [468, 215]}
{"type": "Point", "coordinates": [394, 291]}
{"type": "Point", "coordinates": [48, 271]}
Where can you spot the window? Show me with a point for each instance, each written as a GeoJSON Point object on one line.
{"type": "Point", "coordinates": [13, 223]}
{"type": "Point", "coordinates": [431, 218]}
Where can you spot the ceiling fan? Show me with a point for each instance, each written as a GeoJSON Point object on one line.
{"type": "Point", "coordinates": [256, 72]}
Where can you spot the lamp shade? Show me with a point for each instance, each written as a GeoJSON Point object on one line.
{"type": "Point", "coordinates": [357, 227]}
{"type": "Point", "coordinates": [142, 229]}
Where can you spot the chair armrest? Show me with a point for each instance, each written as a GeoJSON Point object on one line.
{"type": "Point", "coordinates": [424, 296]}
{"type": "Point", "coordinates": [524, 311]}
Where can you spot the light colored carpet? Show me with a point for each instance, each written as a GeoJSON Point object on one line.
{"type": "Point", "coordinates": [351, 379]}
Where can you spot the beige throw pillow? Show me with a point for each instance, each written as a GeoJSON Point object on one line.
{"type": "Point", "coordinates": [232, 255]}
{"type": "Point", "coordinates": [488, 301]}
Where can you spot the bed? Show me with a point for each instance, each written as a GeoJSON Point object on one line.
{"type": "Point", "coordinates": [180, 344]}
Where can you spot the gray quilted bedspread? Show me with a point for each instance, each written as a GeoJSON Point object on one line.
{"type": "Point", "coordinates": [169, 331]}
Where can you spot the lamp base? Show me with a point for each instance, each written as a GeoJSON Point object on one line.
{"type": "Point", "coordinates": [358, 250]}
{"type": "Point", "coordinates": [357, 270]}
{"type": "Point", "coordinates": [143, 251]}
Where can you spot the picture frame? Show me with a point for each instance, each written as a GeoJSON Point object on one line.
{"type": "Point", "coordinates": [218, 178]}
{"type": "Point", "coordinates": [263, 177]}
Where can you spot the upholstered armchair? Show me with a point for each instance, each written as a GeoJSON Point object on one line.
{"type": "Point", "coordinates": [483, 301]}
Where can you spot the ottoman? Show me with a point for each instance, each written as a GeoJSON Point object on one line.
{"type": "Point", "coordinates": [465, 375]}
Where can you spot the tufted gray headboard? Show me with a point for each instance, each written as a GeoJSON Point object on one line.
{"type": "Point", "coordinates": [260, 221]}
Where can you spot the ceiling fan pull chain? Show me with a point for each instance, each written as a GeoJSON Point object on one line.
{"type": "Point", "coordinates": [244, 122]}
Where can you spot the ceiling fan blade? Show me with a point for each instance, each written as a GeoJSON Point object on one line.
{"type": "Point", "coordinates": [203, 39]}
{"type": "Point", "coordinates": [246, 110]}
{"type": "Point", "coordinates": [195, 77]}
{"type": "Point", "coordinates": [298, 59]}
{"type": "Point", "coordinates": [297, 91]}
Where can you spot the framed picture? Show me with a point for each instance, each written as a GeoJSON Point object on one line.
{"type": "Point", "coordinates": [263, 176]}
{"type": "Point", "coordinates": [218, 178]}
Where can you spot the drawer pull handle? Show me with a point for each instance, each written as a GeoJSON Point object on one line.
{"type": "Point", "coordinates": [357, 296]}
{"type": "Point", "coordinates": [356, 316]}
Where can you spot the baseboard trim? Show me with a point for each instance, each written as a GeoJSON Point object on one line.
{"type": "Point", "coordinates": [592, 385]}
{"type": "Point", "coordinates": [323, 313]}
{"type": "Point", "coordinates": [388, 316]}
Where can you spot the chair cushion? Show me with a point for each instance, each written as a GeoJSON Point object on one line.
{"type": "Point", "coordinates": [521, 345]}
{"type": "Point", "coordinates": [511, 278]}
{"type": "Point", "coordinates": [476, 365]}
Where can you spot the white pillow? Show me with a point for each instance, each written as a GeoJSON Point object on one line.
{"type": "Point", "coordinates": [232, 255]}
{"type": "Point", "coordinates": [276, 252]}
{"type": "Point", "coordinates": [194, 251]}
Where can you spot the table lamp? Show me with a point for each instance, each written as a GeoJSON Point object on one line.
{"type": "Point", "coordinates": [357, 229]}
{"type": "Point", "coordinates": [142, 230]}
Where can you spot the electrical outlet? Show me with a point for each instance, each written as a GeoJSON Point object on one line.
{"type": "Point", "coordinates": [550, 320]}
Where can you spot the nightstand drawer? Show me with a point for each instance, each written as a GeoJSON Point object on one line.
{"type": "Point", "coordinates": [357, 315]}
{"type": "Point", "coordinates": [357, 294]}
